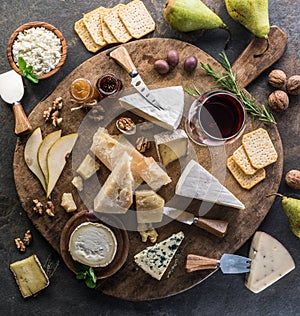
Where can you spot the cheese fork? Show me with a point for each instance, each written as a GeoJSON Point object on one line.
{"type": "Point", "coordinates": [229, 264]}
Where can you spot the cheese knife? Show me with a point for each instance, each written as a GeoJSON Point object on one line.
{"type": "Point", "coordinates": [122, 57]}
{"type": "Point", "coordinates": [229, 264]}
{"type": "Point", "coordinates": [213, 226]}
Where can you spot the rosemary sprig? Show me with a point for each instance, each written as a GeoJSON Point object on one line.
{"type": "Point", "coordinates": [227, 80]}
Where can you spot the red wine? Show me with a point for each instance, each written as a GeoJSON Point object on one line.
{"type": "Point", "coordinates": [221, 115]}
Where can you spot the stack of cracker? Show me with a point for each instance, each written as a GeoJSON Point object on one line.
{"type": "Point", "coordinates": [247, 164]}
{"type": "Point", "coordinates": [119, 24]}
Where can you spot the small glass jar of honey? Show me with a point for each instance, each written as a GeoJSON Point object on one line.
{"type": "Point", "coordinates": [83, 92]}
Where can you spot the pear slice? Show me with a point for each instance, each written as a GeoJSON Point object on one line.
{"type": "Point", "coordinates": [44, 147]}
{"type": "Point", "coordinates": [31, 155]}
{"type": "Point", "coordinates": [56, 158]}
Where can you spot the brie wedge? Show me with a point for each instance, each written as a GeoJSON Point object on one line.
{"type": "Point", "coordinates": [170, 98]}
{"type": "Point", "coordinates": [197, 183]}
{"type": "Point", "coordinates": [155, 259]}
{"type": "Point", "coordinates": [93, 244]}
{"type": "Point", "coordinates": [115, 196]}
{"type": "Point", "coordinates": [270, 261]}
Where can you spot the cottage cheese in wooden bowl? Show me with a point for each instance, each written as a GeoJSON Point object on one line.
{"type": "Point", "coordinates": [41, 45]}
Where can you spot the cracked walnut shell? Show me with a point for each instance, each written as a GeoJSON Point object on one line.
{"type": "Point", "coordinates": [278, 100]}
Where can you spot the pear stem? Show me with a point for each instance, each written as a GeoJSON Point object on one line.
{"type": "Point", "coordinates": [277, 194]}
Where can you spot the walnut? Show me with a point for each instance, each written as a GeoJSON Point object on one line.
{"type": "Point", "coordinates": [50, 208]}
{"type": "Point", "coordinates": [20, 245]}
{"type": "Point", "coordinates": [278, 100]}
{"type": "Point", "coordinates": [292, 179]}
{"type": "Point", "coordinates": [277, 78]}
{"type": "Point", "coordinates": [38, 207]}
{"type": "Point", "coordinates": [293, 85]}
{"type": "Point", "coordinates": [142, 144]}
{"type": "Point", "coordinates": [149, 233]}
{"type": "Point", "coordinates": [27, 238]}
{"type": "Point", "coordinates": [126, 125]}
{"type": "Point", "coordinates": [53, 112]}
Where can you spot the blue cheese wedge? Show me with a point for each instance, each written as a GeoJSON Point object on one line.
{"type": "Point", "coordinates": [170, 98]}
{"type": "Point", "coordinates": [30, 275]}
{"type": "Point", "coordinates": [93, 244]}
{"type": "Point", "coordinates": [155, 260]}
{"type": "Point", "coordinates": [171, 145]}
{"type": "Point", "coordinates": [270, 261]}
{"type": "Point", "coordinates": [197, 183]}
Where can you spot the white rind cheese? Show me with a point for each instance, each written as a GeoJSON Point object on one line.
{"type": "Point", "coordinates": [270, 261]}
{"type": "Point", "coordinates": [155, 260]}
{"type": "Point", "coordinates": [93, 244]}
{"type": "Point", "coordinates": [171, 145]}
{"type": "Point", "coordinates": [170, 98]}
{"type": "Point", "coordinates": [197, 183]}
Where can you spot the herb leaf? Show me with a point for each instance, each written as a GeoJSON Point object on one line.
{"type": "Point", "coordinates": [86, 273]}
{"type": "Point", "coordinates": [227, 81]}
{"type": "Point", "coordinates": [27, 71]}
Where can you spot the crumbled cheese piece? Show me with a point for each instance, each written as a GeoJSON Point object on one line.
{"type": "Point", "coordinates": [67, 202]}
{"type": "Point", "coordinates": [39, 47]}
{"type": "Point", "coordinates": [78, 183]}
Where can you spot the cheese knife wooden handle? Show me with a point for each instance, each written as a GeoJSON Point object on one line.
{"type": "Point", "coordinates": [22, 124]}
{"type": "Point", "coordinates": [213, 226]}
{"type": "Point", "coordinates": [195, 262]}
{"type": "Point", "coordinates": [122, 57]}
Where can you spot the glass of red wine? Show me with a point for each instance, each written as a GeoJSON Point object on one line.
{"type": "Point", "coordinates": [215, 118]}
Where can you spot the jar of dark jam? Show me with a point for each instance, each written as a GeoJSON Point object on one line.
{"type": "Point", "coordinates": [109, 85]}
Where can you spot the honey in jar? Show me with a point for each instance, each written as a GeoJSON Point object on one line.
{"type": "Point", "coordinates": [82, 91]}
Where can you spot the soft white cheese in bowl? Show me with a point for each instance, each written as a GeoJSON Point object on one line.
{"type": "Point", "coordinates": [93, 244]}
{"type": "Point", "coordinates": [41, 45]}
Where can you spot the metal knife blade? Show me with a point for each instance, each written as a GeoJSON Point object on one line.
{"type": "Point", "coordinates": [122, 57]}
{"type": "Point", "coordinates": [231, 264]}
{"type": "Point", "coordinates": [213, 226]}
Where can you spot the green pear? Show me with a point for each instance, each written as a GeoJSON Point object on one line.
{"type": "Point", "coordinates": [191, 15]}
{"type": "Point", "coordinates": [291, 209]}
{"type": "Point", "coordinates": [253, 15]}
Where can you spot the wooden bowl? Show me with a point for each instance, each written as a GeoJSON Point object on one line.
{"type": "Point", "coordinates": [29, 25]}
{"type": "Point", "coordinates": [117, 228]}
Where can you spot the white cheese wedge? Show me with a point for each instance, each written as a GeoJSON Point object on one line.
{"type": "Point", "coordinates": [116, 194]}
{"type": "Point", "coordinates": [170, 98]}
{"type": "Point", "coordinates": [93, 244]}
{"type": "Point", "coordinates": [171, 145]}
{"type": "Point", "coordinates": [68, 203]}
{"type": "Point", "coordinates": [149, 206]}
{"type": "Point", "coordinates": [88, 167]}
{"type": "Point", "coordinates": [155, 260]}
{"type": "Point", "coordinates": [197, 183]}
{"type": "Point", "coordinates": [270, 262]}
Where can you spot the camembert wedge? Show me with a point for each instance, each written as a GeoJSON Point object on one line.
{"type": "Point", "coordinates": [270, 261]}
{"type": "Point", "coordinates": [197, 183]}
{"type": "Point", "coordinates": [116, 194]}
{"type": "Point", "coordinates": [170, 98]}
{"type": "Point", "coordinates": [155, 260]}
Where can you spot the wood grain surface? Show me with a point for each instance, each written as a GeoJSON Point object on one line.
{"type": "Point", "coordinates": [130, 282]}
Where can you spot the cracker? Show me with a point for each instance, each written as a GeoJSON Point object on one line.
{"type": "Point", "coordinates": [245, 181]}
{"type": "Point", "coordinates": [116, 26]}
{"type": "Point", "coordinates": [107, 34]}
{"type": "Point", "coordinates": [85, 37]}
{"type": "Point", "coordinates": [137, 19]}
{"type": "Point", "coordinates": [242, 160]}
{"type": "Point", "coordinates": [259, 148]}
{"type": "Point", "coordinates": [92, 21]}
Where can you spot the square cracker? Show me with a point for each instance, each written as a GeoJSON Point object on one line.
{"type": "Point", "coordinates": [137, 19]}
{"type": "Point", "coordinates": [246, 181]}
{"type": "Point", "coordinates": [92, 21]}
{"type": "Point", "coordinates": [85, 37]}
{"type": "Point", "coordinates": [242, 160]}
{"type": "Point", "coordinates": [107, 34]}
{"type": "Point", "coordinates": [259, 148]}
{"type": "Point", "coordinates": [116, 25]}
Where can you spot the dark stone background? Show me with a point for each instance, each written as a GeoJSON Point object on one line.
{"type": "Point", "coordinates": [220, 294]}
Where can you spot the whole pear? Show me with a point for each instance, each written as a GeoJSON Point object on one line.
{"type": "Point", "coordinates": [191, 15]}
{"type": "Point", "coordinates": [291, 207]}
{"type": "Point", "coordinates": [252, 14]}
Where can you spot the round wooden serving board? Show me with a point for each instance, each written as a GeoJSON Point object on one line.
{"type": "Point", "coordinates": [130, 282]}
